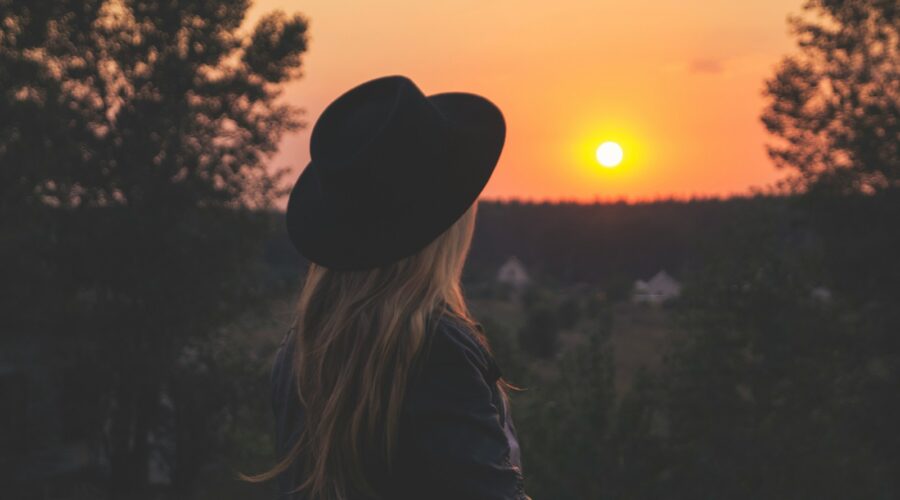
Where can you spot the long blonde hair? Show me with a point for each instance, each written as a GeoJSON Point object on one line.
{"type": "Point", "coordinates": [357, 337]}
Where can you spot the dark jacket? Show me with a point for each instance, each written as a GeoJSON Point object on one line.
{"type": "Point", "coordinates": [456, 435]}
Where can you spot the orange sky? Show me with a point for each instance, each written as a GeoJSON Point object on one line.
{"type": "Point", "coordinates": [677, 82]}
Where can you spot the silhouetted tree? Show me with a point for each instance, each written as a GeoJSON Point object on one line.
{"type": "Point", "coordinates": [136, 134]}
{"type": "Point", "coordinates": [836, 104]}
{"type": "Point", "coordinates": [39, 131]}
{"type": "Point", "coordinates": [837, 108]}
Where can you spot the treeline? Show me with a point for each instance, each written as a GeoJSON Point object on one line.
{"type": "Point", "coordinates": [567, 243]}
{"type": "Point", "coordinates": [606, 244]}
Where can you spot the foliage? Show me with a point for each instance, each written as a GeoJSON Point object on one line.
{"type": "Point", "coordinates": [133, 140]}
{"type": "Point", "coordinates": [564, 426]}
{"type": "Point", "coordinates": [568, 312]}
{"type": "Point", "coordinates": [233, 389]}
{"type": "Point", "coordinates": [540, 335]}
{"type": "Point", "coordinates": [836, 105]}
{"type": "Point", "coordinates": [578, 439]}
{"type": "Point", "coordinates": [765, 397]}
{"type": "Point", "coordinates": [507, 351]}
{"type": "Point", "coordinates": [770, 392]}
{"type": "Point", "coordinates": [144, 104]}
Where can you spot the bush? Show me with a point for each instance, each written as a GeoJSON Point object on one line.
{"type": "Point", "coordinates": [540, 335]}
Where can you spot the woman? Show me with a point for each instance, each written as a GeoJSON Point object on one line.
{"type": "Point", "coordinates": [385, 386]}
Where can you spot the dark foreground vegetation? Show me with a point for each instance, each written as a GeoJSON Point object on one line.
{"type": "Point", "coordinates": [768, 388]}
{"type": "Point", "coordinates": [765, 390]}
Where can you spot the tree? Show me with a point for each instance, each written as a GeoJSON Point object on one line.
{"type": "Point", "coordinates": [836, 105]}
{"type": "Point", "coordinates": [771, 393]}
{"type": "Point", "coordinates": [565, 425]}
{"type": "Point", "coordinates": [137, 134]}
{"type": "Point", "coordinates": [35, 123]}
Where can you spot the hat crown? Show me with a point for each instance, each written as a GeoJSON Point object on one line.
{"type": "Point", "coordinates": [390, 170]}
{"type": "Point", "coordinates": [377, 138]}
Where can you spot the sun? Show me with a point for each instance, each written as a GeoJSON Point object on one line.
{"type": "Point", "coordinates": [609, 154]}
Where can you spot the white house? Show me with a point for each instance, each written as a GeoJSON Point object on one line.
{"type": "Point", "coordinates": [513, 273]}
{"type": "Point", "coordinates": [660, 288]}
{"type": "Point", "coordinates": [821, 294]}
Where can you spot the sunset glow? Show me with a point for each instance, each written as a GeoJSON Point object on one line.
{"type": "Point", "coordinates": [677, 84]}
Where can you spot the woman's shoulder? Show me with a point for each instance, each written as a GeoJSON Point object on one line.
{"type": "Point", "coordinates": [457, 341]}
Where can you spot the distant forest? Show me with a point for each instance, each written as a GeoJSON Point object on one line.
{"type": "Point", "coordinates": [605, 244]}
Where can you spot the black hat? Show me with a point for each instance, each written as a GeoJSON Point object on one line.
{"type": "Point", "coordinates": [390, 170]}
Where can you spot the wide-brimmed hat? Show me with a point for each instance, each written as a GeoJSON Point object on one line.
{"type": "Point", "coordinates": [390, 170]}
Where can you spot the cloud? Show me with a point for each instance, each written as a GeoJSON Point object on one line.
{"type": "Point", "coordinates": [706, 66]}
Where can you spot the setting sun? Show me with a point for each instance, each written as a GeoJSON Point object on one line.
{"type": "Point", "coordinates": [609, 154]}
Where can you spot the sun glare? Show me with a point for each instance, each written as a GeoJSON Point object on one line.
{"type": "Point", "coordinates": [609, 154]}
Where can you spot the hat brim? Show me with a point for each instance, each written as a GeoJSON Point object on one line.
{"type": "Point", "coordinates": [333, 237]}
